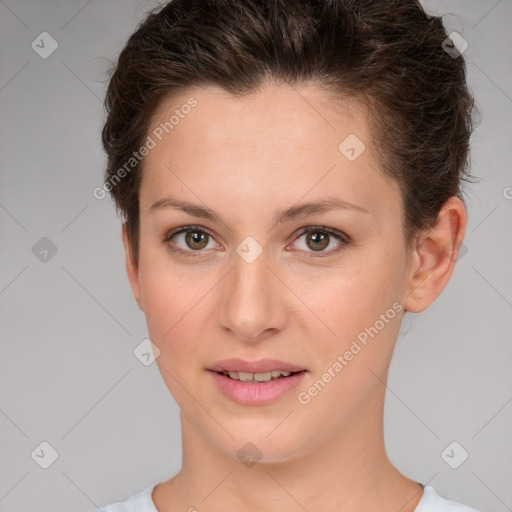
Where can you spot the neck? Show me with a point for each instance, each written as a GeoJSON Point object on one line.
{"type": "Point", "coordinates": [347, 471]}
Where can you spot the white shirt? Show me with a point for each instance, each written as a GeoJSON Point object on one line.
{"type": "Point", "coordinates": [430, 502]}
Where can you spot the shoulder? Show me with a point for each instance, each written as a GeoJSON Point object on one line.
{"type": "Point", "coordinates": [432, 502]}
{"type": "Point", "coordinates": [140, 502]}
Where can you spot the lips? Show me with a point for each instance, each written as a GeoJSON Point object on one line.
{"type": "Point", "coordinates": [254, 392]}
{"type": "Point", "coordinates": [261, 366]}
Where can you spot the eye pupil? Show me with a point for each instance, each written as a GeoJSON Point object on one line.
{"type": "Point", "coordinates": [194, 237]}
{"type": "Point", "coordinates": [322, 238]}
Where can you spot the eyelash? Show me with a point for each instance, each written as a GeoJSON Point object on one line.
{"type": "Point", "coordinates": [342, 237]}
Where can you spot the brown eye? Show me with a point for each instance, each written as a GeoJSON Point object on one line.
{"type": "Point", "coordinates": [196, 239]}
{"type": "Point", "coordinates": [318, 239]}
{"type": "Point", "coordinates": [188, 240]}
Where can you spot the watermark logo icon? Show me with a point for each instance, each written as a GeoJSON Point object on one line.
{"type": "Point", "coordinates": [44, 45]}
{"type": "Point", "coordinates": [44, 250]}
{"type": "Point", "coordinates": [454, 455]}
{"type": "Point", "coordinates": [249, 454]}
{"type": "Point", "coordinates": [44, 455]}
{"type": "Point", "coordinates": [454, 45]}
{"type": "Point", "coordinates": [352, 147]}
{"type": "Point", "coordinates": [146, 352]}
{"type": "Point", "coordinates": [249, 249]}
{"type": "Point", "coordinates": [448, 250]}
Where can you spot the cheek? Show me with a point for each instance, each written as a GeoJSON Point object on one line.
{"type": "Point", "coordinates": [172, 301]}
{"type": "Point", "coordinates": [350, 363]}
{"type": "Point", "coordinates": [172, 309]}
{"type": "Point", "coordinates": [360, 312]}
{"type": "Point", "coordinates": [346, 300]}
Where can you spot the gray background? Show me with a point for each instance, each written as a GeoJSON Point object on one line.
{"type": "Point", "coordinates": [69, 324]}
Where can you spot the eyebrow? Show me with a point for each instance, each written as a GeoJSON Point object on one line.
{"type": "Point", "coordinates": [280, 216]}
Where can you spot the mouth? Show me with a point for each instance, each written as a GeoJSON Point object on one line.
{"type": "Point", "coordinates": [256, 382]}
{"type": "Point", "coordinates": [260, 388]}
{"type": "Point", "coordinates": [258, 378]}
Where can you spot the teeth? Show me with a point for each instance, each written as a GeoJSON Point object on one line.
{"type": "Point", "coordinates": [243, 376]}
{"type": "Point", "coordinates": [256, 377]}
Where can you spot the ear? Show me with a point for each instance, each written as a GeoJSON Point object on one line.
{"type": "Point", "coordinates": [131, 268]}
{"type": "Point", "coordinates": [434, 256]}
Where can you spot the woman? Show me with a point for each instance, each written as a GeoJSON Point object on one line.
{"type": "Point", "coordinates": [289, 175]}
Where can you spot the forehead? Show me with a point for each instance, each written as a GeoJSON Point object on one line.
{"type": "Point", "coordinates": [284, 140]}
{"type": "Point", "coordinates": [300, 115]}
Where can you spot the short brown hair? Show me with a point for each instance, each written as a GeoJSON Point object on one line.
{"type": "Point", "coordinates": [389, 55]}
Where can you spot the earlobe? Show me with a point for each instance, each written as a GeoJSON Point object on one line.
{"type": "Point", "coordinates": [131, 267]}
{"type": "Point", "coordinates": [433, 259]}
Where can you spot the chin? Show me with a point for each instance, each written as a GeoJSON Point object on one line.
{"type": "Point", "coordinates": [260, 446]}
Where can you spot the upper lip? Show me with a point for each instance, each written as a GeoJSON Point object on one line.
{"type": "Point", "coordinates": [261, 366]}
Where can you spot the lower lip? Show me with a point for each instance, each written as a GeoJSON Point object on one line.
{"type": "Point", "coordinates": [256, 393]}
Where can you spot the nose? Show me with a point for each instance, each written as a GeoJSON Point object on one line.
{"type": "Point", "coordinates": [254, 307]}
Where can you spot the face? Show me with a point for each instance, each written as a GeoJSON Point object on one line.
{"type": "Point", "coordinates": [239, 284]}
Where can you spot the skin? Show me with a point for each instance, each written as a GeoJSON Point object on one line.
{"type": "Point", "coordinates": [244, 159]}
